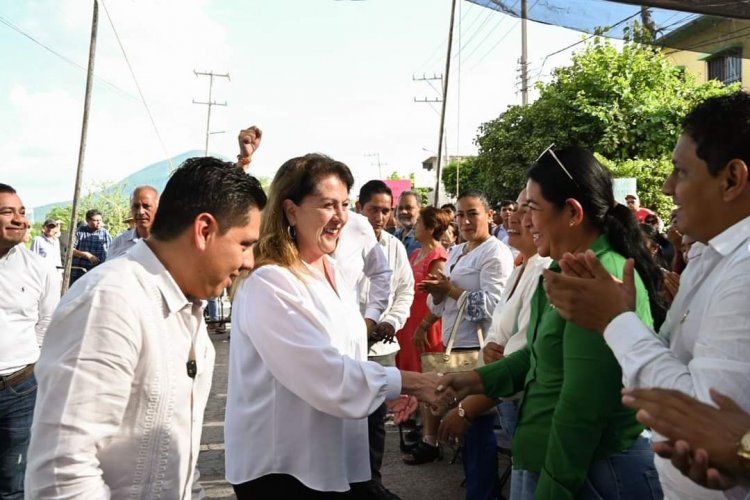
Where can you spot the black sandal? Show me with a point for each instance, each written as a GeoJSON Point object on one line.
{"type": "Point", "coordinates": [423, 454]}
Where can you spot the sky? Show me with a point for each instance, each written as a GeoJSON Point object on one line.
{"type": "Point", "coordinates": [330, 76]}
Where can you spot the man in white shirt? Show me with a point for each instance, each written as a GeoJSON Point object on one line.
{"type": "Point", "coordinates": [376, 203]}
{"type": "Point", "coordinates": [28, 299]}
{"type": "Point", "coordinates": [143, 204]}
{"type": "Point", "coordinates": [47, 245]}
{"type": "Point", "coordinates": [125, 373]}
{"type": "Point", "coordinates": [704, 342]}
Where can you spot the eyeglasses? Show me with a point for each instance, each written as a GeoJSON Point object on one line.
{"type": "Point", "coordinates": [552, 152]}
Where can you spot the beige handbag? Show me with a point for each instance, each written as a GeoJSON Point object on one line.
{"type": "Point", "coordinates": [448, 361]}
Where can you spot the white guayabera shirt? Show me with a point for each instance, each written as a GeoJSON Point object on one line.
{"type": "Point", "coordinates": [117, 415]}
{"type": "Point", "coordinates": [703, 343]}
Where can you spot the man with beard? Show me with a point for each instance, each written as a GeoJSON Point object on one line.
{"type": "Point", "coordinates": [409, 204]}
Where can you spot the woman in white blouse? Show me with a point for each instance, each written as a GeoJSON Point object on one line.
{"type": "Point", "coordinates": [479, 267]}
{"type": "Point", "coordinates": [300, 385]}
{"type": "Point", "coordinates": [507, 332]}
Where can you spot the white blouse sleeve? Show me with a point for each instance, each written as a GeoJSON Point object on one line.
{"type": "Point", "coordinates": [286, 330]}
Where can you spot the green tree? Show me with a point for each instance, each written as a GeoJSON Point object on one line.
{"type": "Point", "coordinates": [110, 199]}
{"type": "Point", "coordinates": [469, 176]}
{"type": "Point", "coordinates": [624, 104]}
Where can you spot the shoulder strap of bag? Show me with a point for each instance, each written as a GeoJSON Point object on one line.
{"type": "Point", "coordinates": [462, 303]}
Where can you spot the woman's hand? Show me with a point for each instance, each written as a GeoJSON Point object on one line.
{"type": "Point", "coordinates": [492, 352]}
{"type": "Point", "coordinates": [402, 408]}
{"type": "Point", "coordinates": [421, 344]}
{"type": "Point", "coordinates": [453, 428]}
{"type": "Point", "coordinates": [454, 387]}
{"type": "Point", "coordinates": [438, 285]}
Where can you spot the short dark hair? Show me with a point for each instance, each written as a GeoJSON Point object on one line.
{"type": "Point", "coordinates": [90, 214]}
{"type": "Point", "coordinates": [206, 184]}
{"type": "Point", "coordinates": [371, 188]}
{"type": "Point", "coordinates": [720, 127]}
{"type": "Point", "coordinates": [5, 188]}
{"type": "Point", "coordinates": [436, 220]}
{"type": "Point", "coordinates": [448, 206]}
{"type": "Point", "coordinates": [505, 203]}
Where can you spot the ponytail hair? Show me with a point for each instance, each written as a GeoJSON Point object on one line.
{"type": "Point", "coordinates": [576, 173]}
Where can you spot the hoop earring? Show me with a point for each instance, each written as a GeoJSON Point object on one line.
{"type": "Point", "coordinates": [291, 232]}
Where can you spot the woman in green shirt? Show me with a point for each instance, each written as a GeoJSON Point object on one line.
{"type": "Point", "coordinates": [574, 437]}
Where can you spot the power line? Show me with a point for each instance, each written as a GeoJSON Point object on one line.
{"type": "Point", "coordinates": [7, 22]}
{"type": "Point", "coordinates": [442, 44]}
{"type": "Point", "coordinates": [606, 29]}
{"type": "Point", "coordinates": [494, 28]}
{"type": "Point", "coordinates": [137, 86]}
{"type": "Point", "coordinates": [476, 31]}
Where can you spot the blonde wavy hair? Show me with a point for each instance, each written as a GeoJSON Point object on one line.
{"type": "Point", "coordinates": [296, 179]}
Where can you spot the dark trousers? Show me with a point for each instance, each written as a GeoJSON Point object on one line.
{"type": "Point", "coordinates": [376, 433]}
{"type": "Point", "coordinates": [479, 455]}
{"type": "Point", "coordinates": [286, 487]}
{"type": "Point", "coordinates": [16, 412]}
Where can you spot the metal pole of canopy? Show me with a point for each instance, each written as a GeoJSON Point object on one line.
{"type": "Point", "coordinates": [81, 149]}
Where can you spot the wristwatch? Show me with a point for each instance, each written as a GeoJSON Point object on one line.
{"type": "Point", "coordinates": [462, 412]}
{"type": "Point", "coordinates": [743, 448]}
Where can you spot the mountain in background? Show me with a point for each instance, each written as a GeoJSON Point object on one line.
{"type": "Point", "coordinates": [155, 175]}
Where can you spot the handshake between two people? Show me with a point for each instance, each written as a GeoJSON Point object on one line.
{"type": "Point", "coordinates": [439, 391]}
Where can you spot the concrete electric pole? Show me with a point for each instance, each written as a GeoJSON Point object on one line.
{"type": "Point", "coordinates": [211, 75]}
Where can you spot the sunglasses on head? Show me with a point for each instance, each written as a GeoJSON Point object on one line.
{"type": "Point", "coordinates": [551, 151]}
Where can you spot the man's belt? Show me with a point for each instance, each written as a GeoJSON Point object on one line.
{"type": "Point", "coordinates": [16, 377]}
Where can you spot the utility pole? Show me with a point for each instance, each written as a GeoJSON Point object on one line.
{"type": "Point", "coordinates": [81, 148]}
{"type": "Point", "coordinates": [524, 54]}
{"type": "Point", "coordinates": [377, 156]}
{"type": "Point", "coordinates": [428, 79]}
{"type": "Point", "coordinates": [445, 99]}
{"type": "Point", "coordinates": [210, 102]}
{"type": "Point", "coordinates": [648, 23]}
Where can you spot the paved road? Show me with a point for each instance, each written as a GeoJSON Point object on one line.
{"type": "Point", "coordinates": [436, 481]}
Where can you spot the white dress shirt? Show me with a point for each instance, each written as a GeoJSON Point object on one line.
{"type": "Point", "coordinates": [122, 243]}
{"type": "Point", "coordinates": [401, 292]}
{"type": "Point", "coordinates": [29, 297]}
{"type": "Point", "coordinates": [510, 320]}
{"type": "Point", "coordinates": [358, 254]}
{"type": "Point", "coordinates": [487, 269]}
{"type": "Point", "coordinates": [300, 388]}
{"type": "Point", "coordinates": [703, 343]}
{"type": "Point", "coordinates": [48, 249]}
{"type": "Point", "coordinates": [117, 415]}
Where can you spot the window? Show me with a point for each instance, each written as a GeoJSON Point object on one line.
{"type": "Point", "coordinates": [726, 66]}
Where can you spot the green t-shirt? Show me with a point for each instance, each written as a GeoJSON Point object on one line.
{"type": "Point", "coordinates": [571, 414]}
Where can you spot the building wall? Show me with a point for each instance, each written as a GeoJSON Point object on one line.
{"type": "Point", "coordinates": [705, 45]}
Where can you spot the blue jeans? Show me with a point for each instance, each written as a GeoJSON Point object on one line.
{"type": "Point", "coordinates": [16, 411]}
{"type": "Point", "coordinates": [625, 475]}
{"type": "Point", "coordinates": [479, 456]}
{"type": "Point", "coordinates": [508, 411]}
{"type": "Point", "coordinates": [213, 309]}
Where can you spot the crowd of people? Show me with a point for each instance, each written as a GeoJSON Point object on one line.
{"type": "Point", "coordinates": [612, 350]}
